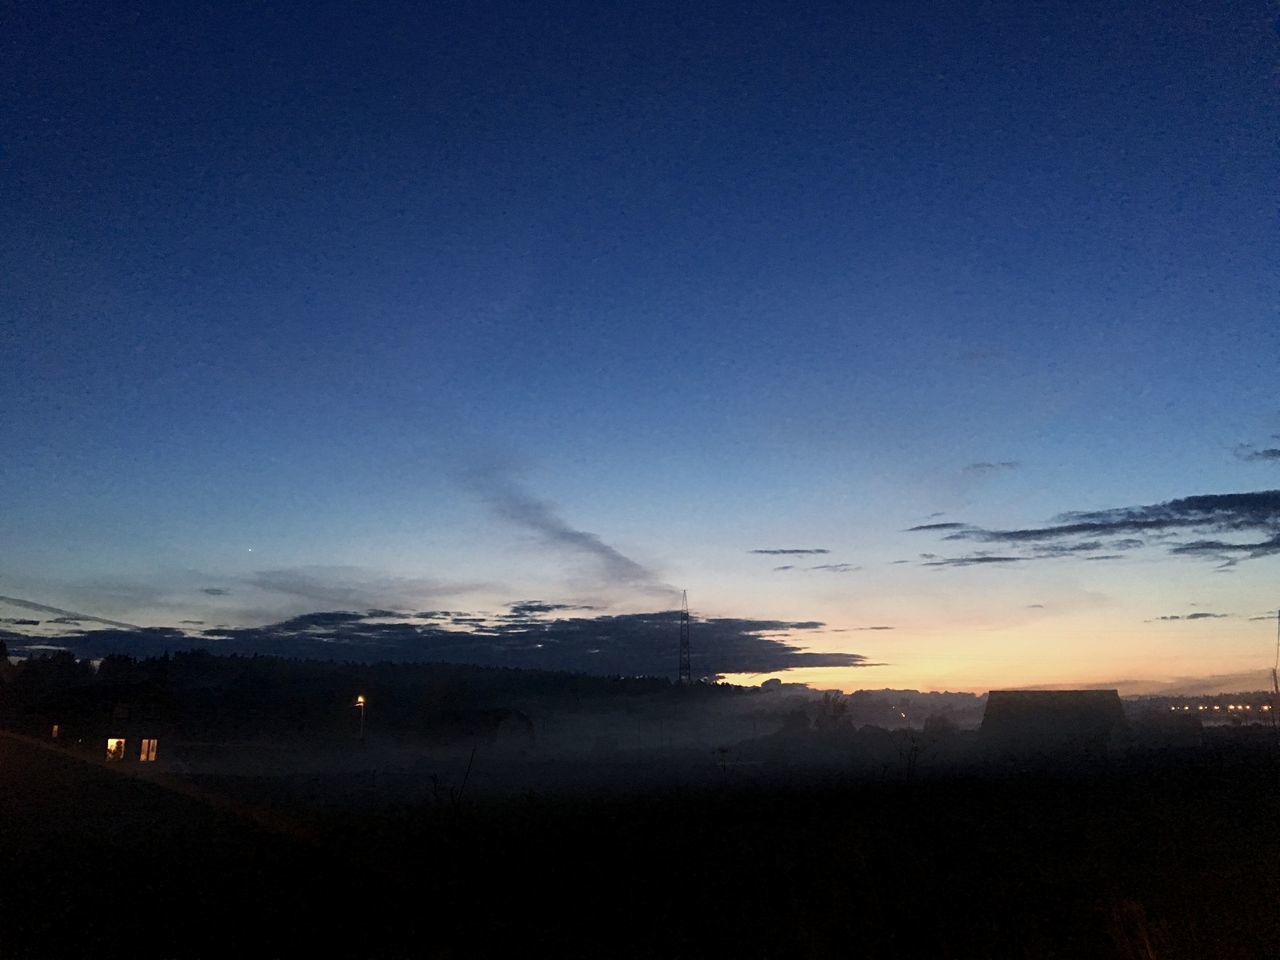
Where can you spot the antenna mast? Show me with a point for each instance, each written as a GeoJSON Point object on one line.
{"type": "Point", "coordinates": [686, 674]}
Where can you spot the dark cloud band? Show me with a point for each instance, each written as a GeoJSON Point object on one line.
{"type": "Point", "coordinates": [627, 645]}
{"type": "Point", "coordinates": [1201, 525]}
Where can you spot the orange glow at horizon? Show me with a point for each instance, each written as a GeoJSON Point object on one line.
{"type": "Point", "coordinates": [1138, 658]}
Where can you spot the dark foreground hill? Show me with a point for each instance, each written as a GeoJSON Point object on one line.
{"type": "Point", "coordinates": [97, 864]}
{"type": "Point", "coordinates": [1165, 859]}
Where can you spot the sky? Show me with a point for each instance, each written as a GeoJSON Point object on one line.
{"type": "Point", "coordinates": [462, 306]}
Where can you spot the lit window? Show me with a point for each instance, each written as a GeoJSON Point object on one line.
{"type": "Point", "coordinates": [148, 751]}
{"type": "Point", "coordinates": [57, 729]}
{"type": "Point", "coordinates": [115, 748]}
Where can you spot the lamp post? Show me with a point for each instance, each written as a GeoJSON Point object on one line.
{"type": "Point", "coordinates": [360, 703]}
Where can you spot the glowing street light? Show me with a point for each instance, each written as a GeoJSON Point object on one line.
{"type": "Point", "coordinates": [360, 703]}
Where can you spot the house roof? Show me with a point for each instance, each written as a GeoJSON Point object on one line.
{"type": "Point", "coordinates": [1051, 717]}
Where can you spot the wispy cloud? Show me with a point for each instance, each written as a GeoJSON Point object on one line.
{"type": "Point", "coordinates": [529, 608]}
{"type": "Point", "coordinates": [822, 567]}
{"type": "Point", "coordinates": [509, 501]}
{"type": "Point", "coordinates": [1181, 524]}
{"type": "Point", "coordinates": [986, 467]}
{"type": "Point", "coordinates": [790, 551]}
{"type": "Point", "coordinates": [1191, 616]}
{"type": "Point", "coordinates": [972, 561]}
{"type": "Point", "coordinates": [342, 586]}
{"type": "Point", "coordinates": [45, 608]}
{"type": "Point", "coordinates": [1247, 451]}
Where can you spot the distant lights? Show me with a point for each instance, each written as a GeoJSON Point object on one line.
{"type": "Point", "coordinates": [1230, 707]}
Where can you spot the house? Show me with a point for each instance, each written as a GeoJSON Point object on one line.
{"type": "Point", "coordinates": [140, 749]}
{"type": "Point", "coordinates": [133, 732]}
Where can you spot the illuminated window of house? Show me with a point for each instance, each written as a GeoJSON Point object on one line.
{"type": "Point", "coordinates": [115, 748]}
{"type": "Point", "coordinates": [148, 751]}
{"type": "Point", "coordinates": [57, 729]}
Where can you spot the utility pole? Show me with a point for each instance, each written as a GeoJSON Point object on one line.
{"type": "Point", "coordinates": [686, 673]}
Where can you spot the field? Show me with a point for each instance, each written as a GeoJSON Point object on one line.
{"type": "Point", "coordinates": [1163, 859]}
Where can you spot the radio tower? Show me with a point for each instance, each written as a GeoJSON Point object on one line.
{"type": "Point", "coordinates": [686, 674]}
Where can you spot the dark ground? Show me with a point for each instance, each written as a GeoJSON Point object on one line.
{"type": "Point", "coordinates": [1159, 859]}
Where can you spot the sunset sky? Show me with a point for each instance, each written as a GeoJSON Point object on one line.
{"type": "Point", "coordinates": [413, 307]}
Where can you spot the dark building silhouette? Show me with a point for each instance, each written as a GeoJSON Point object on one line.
{"type": "Point", "coordinates": [1080, 722]}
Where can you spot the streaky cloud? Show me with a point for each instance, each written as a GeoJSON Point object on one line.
{"type": "Point", "coordinates": [1181, 524]}
{"type": "Point", "coordinates": [45, 608]}
{"type": "Point", "coordinates": [972, 561]}
{"type": "Point", "coordinates": [790, 551]}
{"type": "Point", "coordinates": [509, 501]}
{"type": "Point", "coordinates": [987, 467]}
{"type": "Point", "coordinates": [341, 586]}
{"type": "Point", "coordinates": [529, 608]}
{"type": "Point", "coordinates": [1248, 452]}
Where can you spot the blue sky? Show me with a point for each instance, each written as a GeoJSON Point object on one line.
{"type": "Point", "coordinates": [287, 288]}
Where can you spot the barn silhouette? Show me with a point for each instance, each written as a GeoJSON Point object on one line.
{"type": "Point", "coordinates": [1080, 722]}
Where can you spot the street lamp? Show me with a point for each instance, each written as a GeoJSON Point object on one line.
{"type": "Point", "coordinates": [360, 703]}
